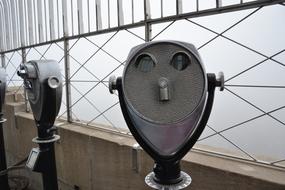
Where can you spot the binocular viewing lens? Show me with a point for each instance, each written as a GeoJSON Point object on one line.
{"type": "Point", "coordinates": [180, 61]}
{"type": "Point", "coordinates": [145, 63]}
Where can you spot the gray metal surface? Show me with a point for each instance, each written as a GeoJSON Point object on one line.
{"type": "Point", "coordinates": [166, 125]}
{"type": "Point", "coordinates": [187, 87]}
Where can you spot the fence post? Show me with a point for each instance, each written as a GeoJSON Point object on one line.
{"type": "Point", "coordinates": [24, 60]}
{"type": "Point", "coordinates": [147, 16]}
{"type": "Point", "coordinates": [67, 80]}
{"type": "Point", "coordinates": [3, 64]}
{"type": "Point", "coordinates": [219, 3]}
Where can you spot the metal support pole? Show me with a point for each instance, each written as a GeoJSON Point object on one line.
{"type": "Point", "coordinates": [48, 164]}
{"type": "Point", "coordinates": [147, 32]}
{"type": "Point", "coordinates": [146, 18]}
{"type": "Point", "coordinates": [218, 3]}
{"type": "Point", "coordinates": [25, 91]}
{"type": "Point", "coordinates": [23, 55]}
{"type": "Point", "coordinates": [3, 164]}
{"type": "Point", "coordinates": [50, 176]}
{"type": "Point", "coordinates": [3, 64]}
{"type": "Point", "coordinates": [67, 80]}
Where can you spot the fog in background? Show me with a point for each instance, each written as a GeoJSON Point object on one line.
{"type": "Point", "coordinates": [264, 32]}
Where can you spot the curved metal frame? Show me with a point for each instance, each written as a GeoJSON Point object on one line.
{"type": "Point", "coordinates": [211, 88]}
{"type": "Point", "coordinates": [167, 168]}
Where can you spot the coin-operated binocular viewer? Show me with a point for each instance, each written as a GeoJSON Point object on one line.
{"type": "Point", "coordinates": [166, 98]}
{"type": "Point", "coordinates": [3, 164]}
{"type": "Point", "coordinates": [42, 80]}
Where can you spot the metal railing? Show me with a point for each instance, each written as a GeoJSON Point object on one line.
{"type": "Point", "coordinates": [85, 37]}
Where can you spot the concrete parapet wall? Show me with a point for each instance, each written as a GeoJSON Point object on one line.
{"type": "Point", "coordinates": [97, 158]}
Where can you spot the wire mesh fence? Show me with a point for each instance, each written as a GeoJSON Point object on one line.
{"type": "Point", "coordinates": [91, 41]}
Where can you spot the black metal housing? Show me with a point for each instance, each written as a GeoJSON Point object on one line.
{"type": "Point", "coordinates": [45, 100]}
{"type": "Point", "coordinates": [43, 82]}
{"type": "Point", "coordinates": [4, 184]}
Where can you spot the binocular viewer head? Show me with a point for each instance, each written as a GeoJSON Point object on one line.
{"type": "Point", "coordinates": [164, 87]}
{"type": "Point", "coordinates": [166, 99]}
{"type": "Point", "coordinates": [42, 80]}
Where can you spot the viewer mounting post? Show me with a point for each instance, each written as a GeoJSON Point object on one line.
{"type": "Point", "coordinates": [42, 80]}
{"type": "Point", "coordinates": [4, 184]}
